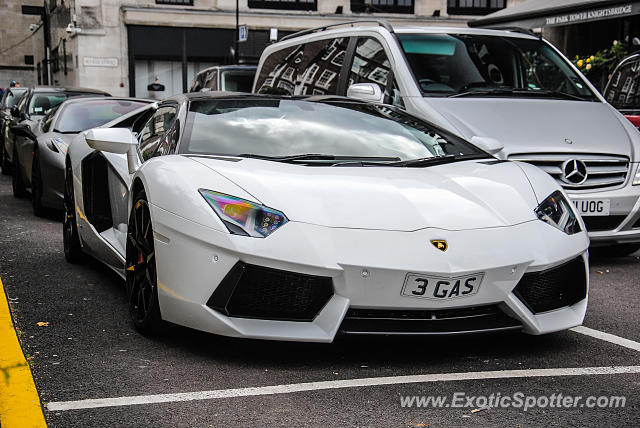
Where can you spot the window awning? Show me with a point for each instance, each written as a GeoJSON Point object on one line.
{"type": "Point", "coordinates": [549, 13]}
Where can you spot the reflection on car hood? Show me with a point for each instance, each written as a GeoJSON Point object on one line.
{"type": "Point", "coordinates": [534, 125]}
{"type": "Point", "coordinates": [457, 196]}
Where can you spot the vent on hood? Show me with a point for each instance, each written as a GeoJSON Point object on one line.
{"type": "Point", "coordinates": [580, 171]}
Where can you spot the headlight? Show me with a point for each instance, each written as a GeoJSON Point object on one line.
{"type": "Point", "coordinates": [243, 217]}
{"type": "Point", "coordinates": [636, 178]}
{"type": "Point", "coordinates": [556, 211]}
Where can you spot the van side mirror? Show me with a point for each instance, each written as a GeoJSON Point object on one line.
{"type": "Point", "coordinates": [115, 140]}
{"type": "Point", "coordinates": [489, 145]}
{"type": "Point", "coordinates": [370, 92]}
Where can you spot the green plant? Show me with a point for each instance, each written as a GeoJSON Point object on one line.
{"type": "Point", "coordinates": [598, 67]}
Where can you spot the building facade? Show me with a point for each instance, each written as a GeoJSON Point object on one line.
{"type": "Point", "coordinates": [19, 42]}
{"type": "Point", "coordinates": [122, 46]}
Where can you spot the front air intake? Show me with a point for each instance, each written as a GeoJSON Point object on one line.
{"type": "Point", "coordinates": [553, 288]}
{"type": "Point", "coordinates": [250, 291]}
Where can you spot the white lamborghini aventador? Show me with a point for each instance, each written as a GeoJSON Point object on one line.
{"type": "Point", "coordinates": [299, 219]}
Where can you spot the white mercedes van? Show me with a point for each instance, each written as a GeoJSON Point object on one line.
{"type": "Point", "coordinates": [509, 92]}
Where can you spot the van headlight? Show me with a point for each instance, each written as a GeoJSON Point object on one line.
{"type": "Point", "coordinates": [556, 211]}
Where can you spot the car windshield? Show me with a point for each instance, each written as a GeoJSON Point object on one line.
{"type": "Point", "coordinates": [41, 103]}
{"type": "Point", "coordinates": [13, 96]}
{"type": "Point", "coordinates": [281, 129]}
{"type": "Point", "coordinates": [237, 80]}
{"type": "Point", "coordinates": [481, 65]}
{"type": "Point", "coordinates": [82, 115]}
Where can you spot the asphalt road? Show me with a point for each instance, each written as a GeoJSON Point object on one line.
{"type": "Point", "coordinates": [89, 350]}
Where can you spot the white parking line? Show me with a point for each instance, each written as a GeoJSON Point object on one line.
{"type": "Point", "coordinates": [607, 337]}
{"type": "Point", "coordinates": [334, 384]}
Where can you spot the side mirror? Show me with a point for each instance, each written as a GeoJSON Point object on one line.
{"type": "Point", "coordinates": [489, 145]}
{"type": "Point", "coordinates": [115, 140]}
{"type": "Point", "coordinates": [23, 130]}
{"type": "Point", "coordinates": [369, 92]}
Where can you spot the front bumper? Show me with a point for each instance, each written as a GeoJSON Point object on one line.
{"type": "Point", "coordinates": [622, 226]}
{"type": "Point", "coordinates": [367, 269]}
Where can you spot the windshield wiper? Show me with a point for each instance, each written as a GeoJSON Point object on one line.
{"type": "Point", "coordinates": [420, 162]}
{"type": "Point", "coordinates": [519, 92]}
{"type": "Point", "coordinates": [323, 158]}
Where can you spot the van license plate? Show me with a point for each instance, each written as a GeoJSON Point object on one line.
{"type": "Point", "coordinates": [592, 207]}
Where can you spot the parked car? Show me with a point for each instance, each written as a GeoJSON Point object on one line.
{"type": "Point", "coordinates": [33, 106]}
{"type": "Point", "coordinates": [507, 86]}
{"type": "Point", "coordinates": [303, 218]}
{"type": "Point", "coordinates": [622, 88]}
{"type": "Point", "coordinates": [231, 78]}
{"type": "Point", "coordinates": [50, 139]}
{"type": "Point", "coordinates": [10, 98]}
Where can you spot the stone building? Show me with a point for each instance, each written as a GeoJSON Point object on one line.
{"type": "Point", "coordinates": [121, 46]}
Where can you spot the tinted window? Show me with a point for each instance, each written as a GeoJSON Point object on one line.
{"type": "Point", "coordinates": [41, 103]}
{"type": "Point", "coordinates": [370, 63]}
{"type": "Point", "coordinates": [452, 64]}
{"type": "Point", "coordinates": [155, 129]}
{"type": "Point", "coordinates": [272, 127]}
{"type": "Point", "coordinates": [46, 121]}
{"type": "Point", "coordinates": [80, 116]}
{"type": "Point", "coordinates": [622, 91]}
{"type": "Point", "coordinates": [12, 97]}
{"type": "Point", "coordinates": [308, 69]}
{"type": "Point", "coordinates": [236, 80]}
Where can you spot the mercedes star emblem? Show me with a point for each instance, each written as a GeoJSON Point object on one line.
{"type": "Point", "coordinates": [574, 171]}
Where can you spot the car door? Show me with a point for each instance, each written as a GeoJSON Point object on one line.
{"type": "Point", "coordinates": [104, 189]}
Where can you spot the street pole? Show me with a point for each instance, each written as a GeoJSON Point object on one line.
{"type": "Point", "coordinates": [235, 51]}
{"type": "Point", "coordinates": [47, 41]}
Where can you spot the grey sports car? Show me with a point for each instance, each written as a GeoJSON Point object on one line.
{"type": "Point", "coordinates": [44, 170]}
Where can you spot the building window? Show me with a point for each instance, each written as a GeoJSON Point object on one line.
{"type": "Point", "coordinates": [474, 7]}
{"type": "Point", "coordinates": [284, 4]}
{"type": "Point", "coordinates": [28, 59]}
{"type": "Point", "coordinates": [382, 6]}
{"type": "Point", "coordinates": [176, 2]}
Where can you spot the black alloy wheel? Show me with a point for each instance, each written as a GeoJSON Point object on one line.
{"type": "Point", "coordinates": [141, 274]}
{"type": "Point", "coordinates": [17, 183]}
{"type": "Point", "coordinates": [71, 239]}
{"type": "Point", "coordinates": [36, 186]}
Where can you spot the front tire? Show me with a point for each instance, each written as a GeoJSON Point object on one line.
{"type": "Point", "coordinates": [71, 239]}
{"type": "Point", "coordinates": [17, 184]}
{"type": "Point", "coordinates": [36, 187]}
{"type": "Point", "coordinates": [141, 273]}
{"type": "Point", "coordinates": [6, 165]}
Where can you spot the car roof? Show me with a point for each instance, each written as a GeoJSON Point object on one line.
{"type": "Point", "coordinates": [67, 89]}
{"type": "Point", "coordinates": [193, 96]}
{"type": "Point", "coordinates": [322, 32]}
{"type": "Point", "coordinates": [85, 99]}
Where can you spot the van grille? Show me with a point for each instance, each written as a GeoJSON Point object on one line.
{"type": "Point", "coordinates": [601, 170]}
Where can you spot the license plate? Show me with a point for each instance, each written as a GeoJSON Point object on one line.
{"type": "Point", "coordinates": [441, 288]}
{"type": "Point", "coordinates": [593, 207]}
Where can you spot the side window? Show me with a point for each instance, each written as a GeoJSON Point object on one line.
{"type": "Point", "coordinates": [46, 121]}
{"type": "Point", "coordinates": [155, 131]}
{"type": "Point", "coordinates": [623, 87]}
{"type": "Point", "coordinates": [210, 80]}
{"type": "Point", "coordinates": [308, 69]}
{"type": "Point", "coordinates": [370, 63]}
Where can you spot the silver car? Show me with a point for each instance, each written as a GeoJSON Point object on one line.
{"type": "Point", "coordinates": [511, 93]}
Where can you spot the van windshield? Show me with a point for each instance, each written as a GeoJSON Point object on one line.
{"type": "Point", "coordinates": [454, 65]}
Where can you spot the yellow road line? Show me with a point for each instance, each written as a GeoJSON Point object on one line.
{"type": "Point", "coordinates": [19, 400]}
